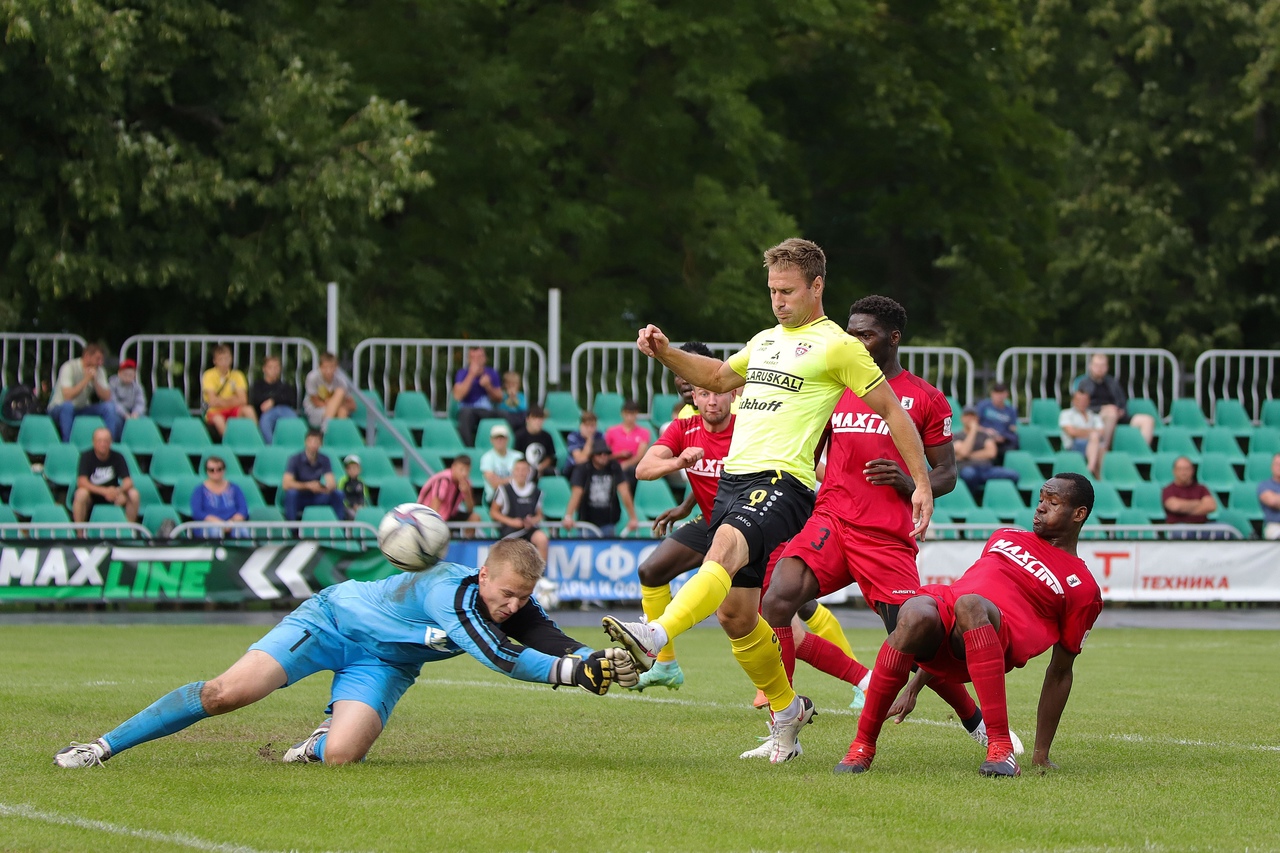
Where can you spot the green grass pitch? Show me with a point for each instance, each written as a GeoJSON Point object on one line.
{"type": "Point", "coordinates": [1170, 742]}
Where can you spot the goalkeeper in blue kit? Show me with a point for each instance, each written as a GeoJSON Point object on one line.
{"type": "Point", "coordinates": [375, 636]}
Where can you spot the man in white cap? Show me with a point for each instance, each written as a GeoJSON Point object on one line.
{"type": "Point", "coordinates": [496, 462]}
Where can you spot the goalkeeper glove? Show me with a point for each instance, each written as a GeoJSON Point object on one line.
{"type": "Point", "coordinates": [596, 672]}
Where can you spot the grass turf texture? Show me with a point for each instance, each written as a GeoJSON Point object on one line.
{"type": "Point", "coordinates": [1169, 743]}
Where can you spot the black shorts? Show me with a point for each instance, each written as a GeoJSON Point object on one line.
{"type": "Point", "coordinates": [767, 509]}
{"type": "Point", "coordinates": [696, 535]}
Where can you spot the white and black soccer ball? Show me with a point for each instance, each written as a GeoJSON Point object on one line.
{"type": "Point", "coordinates": [413, 537]}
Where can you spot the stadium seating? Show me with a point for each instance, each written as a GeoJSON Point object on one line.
{"type": "Point", "coordinates": [1162, 468]}
{"type": "Point", "coordinates": [1029, 474]}
{"type": "Point", "coordinates": [13, 463]}
{"type": "Point", "coordinates": [1265, 440]}
{"type": "Point", "coordinates": [290, 433]}
{"type": "Point", "coordinates": [142, 436]}
{"type": "Point", "coordinates": [248, 485]}
{"type": "Point", "coordinates": [6, 514]}
{"type": "Point", "coordinates": [148, 494]}
{"type": "Point", "coordinates": [1034, 439]}
{"type": "Point", "coordinates": [562, 412]}
{"type": "Point", "coordinates": [1231, 414]}
{"type": "Point", "coordinates": [268, 466]}
{"type": "Point", "coordinates": [268, 514]}
{"type": "Point", "coordinates": [1243, 497]}
{"type": "Point", "coordinates": [653, 498]}
{"type": "Point", "coordinates": [1106, 501]}
{"type": "Point", "coordinates": [1222, 440]}
{"type": "Point", "coordinates": [243, 438]}
{"type": "Point", "coordinates": [37, 435]}
{"type": "Point", "coordinates": [360, 417]}
{"type": "Point", "coordinates": [394, 492]}
{"type": "Point", "coordinates": [1177, 440]}
{"type": "Point", "coordinates": [388, 440]}
{"type": "Point", "coordinates": [1070, 460]}
{"type": "Point", "coordinates": [1045, 412]}
{"type": "Point", "coordinates": [62, 465]}
{"type": "Point", "coordinates": [440, 436]}
{"type": "Point", "coordinates": [82, 429]}
{"type": "Point", "coordinates": [1003, 498]}
{"type": "Point", "coordinates": [110, 514]}
{"type": "Point", "coordinates": [1146, 499]}
{"type": "Point", "coordinates": [156, 515]}
{"type": "Point", "coordinates": [417, 475]}
{"type": "Point", "coordinates": [1270, 414]}
{"type": "Point", "coordinates": [413, 410]}
{"type": "Point", "coordinates": [376, 467]}
{"type": "Point", "coordinates": [168, 464]}
{"type": "Point", "coordinates": [1217, 473]}
{"type": "Point", "coordinates": [29, 492]}
{"type": "Point", "coordinates": [1186, 413]}
{"type": "Point", "coordinates": [51, 513]}
{"type": "Point", "coordinates": [230, 459]}
{"type": "Point", "coordinates": [607, 406]}
{"type": "Point", "coordinates": [1119, 470]}
{"type": "Point", "coordinates": [661, 406]}
{"type": "Point", "coordinates": [370, 515]}
{"type": "Point", "coordinates": [1236, 519]}
{"type": "Point", "coordinates": [483, 440]}
{"type": "Point", "coordinates": [1257, 467]}
{"type": "Point", "coordinates": [1128, 440]}
{"type": "Point", "coordinates": [1137, 517]}
{"type": "Point", "coordinates": [986, 517]}
{"type": "Point", "coordinates": [555, 496]}
{"type": "Point", "coordinates": [183, 488]}
{"type": "Point", "coordinates": [190, 436]}
{"type": "Point", "coordinates": [1143, 406]}
{"type": "Point", "coordinates": [956, 504]}
{"type": "Point", "coordinates": [166, 406]}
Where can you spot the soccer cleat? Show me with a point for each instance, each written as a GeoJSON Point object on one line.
{"type": "Point", "coordinates": [1000, 763]}
{"type": "Point", "coordinates": [761, 701]}
{"type": "Point", "coordinates": [980, 735]}
{"type": "Point", "coordinates": [668, 675]}
{"type": "Point", "coordinates": [786, 732]}
{"type": "Point", "coordinates": [636, 637]}
{"type": "Point", "coordinates": [304, 752]}
{"type": "Point", "coordinates": [857, 760]}
{"type": "Point", "coordinates": [765, 749]}
{"type": "Point", "coordinates": [859, 698]}
{"type": "Point", "coordinates": [83, 754]}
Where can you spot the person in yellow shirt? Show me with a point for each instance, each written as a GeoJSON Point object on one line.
{"type": "Point", "coordinates": [225, 391]}
{"type": "Point", "coordinates": [792, 375]}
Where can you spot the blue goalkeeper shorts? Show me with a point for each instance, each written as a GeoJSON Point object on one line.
{"type": "Point", "coordinates": [307, 641]}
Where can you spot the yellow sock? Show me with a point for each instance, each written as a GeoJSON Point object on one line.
{"type": "Point", "coordinates": [824, 623]}
{"type": "Point", "coordinates": [696, 600]}
{"type": "Point", "coordinates": [758, 653]}
{"type": "Point", "coordinates": [655, 600]}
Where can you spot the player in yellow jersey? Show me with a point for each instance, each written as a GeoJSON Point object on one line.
{"type": "Point", "coordinates": [791, 376]}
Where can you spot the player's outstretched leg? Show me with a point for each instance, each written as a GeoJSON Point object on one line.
{"type": "Point", "coordinates": [670, 559]}
{"type": "Point", "coordinates": [345, 737]}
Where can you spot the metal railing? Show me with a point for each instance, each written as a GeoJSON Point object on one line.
{"type": "Point", "coordinates": [429, 365]}
{"type": "Point", "coordinates": [110, 530]}
{"type": "Point", "coordinates": [1033, 372]}
{"type": "Point", "coordinates": [366, 533]}
{"type": "Point", "coordinates": [33, 359]}
{"type": "Point", "coordinates": [1130, 532]}
{"type": "Point", "coordinates": [1250, 376]}
{"type": "Point", "coordinates": [179, 361]}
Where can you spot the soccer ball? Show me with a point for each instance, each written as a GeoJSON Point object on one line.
{"type": "Point", "coordinates": [413, 537]}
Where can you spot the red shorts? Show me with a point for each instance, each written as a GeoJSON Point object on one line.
{"type": "Point", "coordinates": [230, 412]}
{"type": "Point", "coordinates": [945, 664]}
{"type": "Point", "coordinates": [839, 553]}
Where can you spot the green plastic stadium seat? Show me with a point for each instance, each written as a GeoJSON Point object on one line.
{"type": "Point", "coordinates": [37, 434]}
{"type": "Point", "coordinates": [82, 429]}
{"type": "Point", "coordinates": [1217, 473]}
{"type": "Point", "coordinates": [1045, 412]}
{"type": "Point", "coordinates": [1162, 468]}
{"type": "Point", "coordinates": [562, 412]}
{"type": "Point", "coordinates": [248, 485]}
{"type": "Point", "coordinates": [653, 498]}
{"type": "Point", "coordinates": [142, 436]}
{"type": "Point", "coordinates": [484, 425]}
{"type": "Point", "coordinates": [555, 496]}
{"type": "Point", "coordinates": [1070, 460]}
{"type": "Point", "coordinates": [1034, 439]}
{"type": "Point", "coordinates": [168, 464]}
{"type": "Point", "coordinates": [341, 438]}
{"type": "Point", "coordinates": [441, 437]}
{"type": "Point", "coordinates": [290, 433]}
{"type": "Point", "coordinates": [389, 439]}
{"type": "Point", "coordinates": [13, 463]}
{"type": "Point", "coordinates": [1127, 439]}
{"type": "Point", "coordinates": [1264, 440]}
{"type": "Point", "coordinates": [1177, 440]}
{"type": "Point", "coordinates": [1029, 474]}
{"type": "Point", "coordinates": [1186, 413]}
{"type": "Point", "coordinates": [413, 410]}
{"type": "Point", "coordinates": [986, 517]}
{"type": "Point", "coordinates": [360, 417]}
{"type": "Point", "coordinates": [1222, 440]}
{"type": "Point", "coordinates": [1236, 519]}
{"type": "Point", "coordinates": [957, 503]}
{"type": "Point", "coordinates": [321, 514]}
{"type": "Point", "coordinates": [156, 515]}
{"type": "Point", "coordinates": [6, 514]}
{"type": "Point", "coordinates": [1106, 501]}
{"type": "Point", "coordinates": [608, 407]}
{"type": "Point", "coordinates": [417, 474]}
{"type": "Point", "coordinates": [148, 494]}
{"type": "Point", "coordinates": [1002, 498]}
{"type": "Point", "coordinates": [1094, 529]}
{"type": "Point", "coordinates": [242, 438]}
{"type": "Point", "coordinates": [268, 513]}
{"type": "Point", "coordinates": [51, 513]}
{"type": "Point", "coordinates": [110, 514]}
{"type": "Point", "coordinates": [183, 489]}
{"type": "Point", "coordinates": [1257, 467]}
{"type": "Point", "coordinates": [29, 491]}
{"type": "Point", "coordinates": [229, 459]}
{"type": "Point", "coordinates": [1243, 497]}
{"type": "Point", "coordinates": [1143, 406]}
{"type": "Point", "coordinates": [1118, 470]}
{"type": "Point", "coordinates": [661, 406]}
{"type": "Point", "coordinates": [372, 516]}
{"type": "Point", "coordinates": [62, 465]}
{"type": "Point", "coordinates": [1231, 414]}
{"type": "Point", "coordinates": [1270, 414]}
{"type": "Point", "coordinates": [375, 467]}
{"type": "Point", "coordinates": [956, 409]}
{"type": "Point", "coordinates": [268, 467]}
{"type": "Point", "coordinates": [1135, 516]}
{"type": "Point", "coordinates": [190, 436]}
{"type": "Point", "coordinates": [166, 406]}
{"type": "Point", "coordinates": [396, 491]}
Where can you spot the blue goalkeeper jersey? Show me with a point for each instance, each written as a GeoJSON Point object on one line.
{"type": "Point", "coordinates": [415, 618]}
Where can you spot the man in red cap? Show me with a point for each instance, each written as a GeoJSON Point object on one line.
{"type": "Point", "coordinates": [126, 394]}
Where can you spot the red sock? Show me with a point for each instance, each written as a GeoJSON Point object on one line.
{"type": "Point", "coordinates": [826, 656]}
{"type": "Point", "coordinates": [787, 644]}
{"type": "Point", "coordinates": [985, 657]}
{"type": "Point", "coordinates": [893, 668]}
{"type": "Point", "coordinates": [957, 696]}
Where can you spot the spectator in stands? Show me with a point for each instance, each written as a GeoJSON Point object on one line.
{"type": "Point", "coordinates": [597, 488]}
{"type": "Point", "coordinates": [628, 440]}
{"type": "Point", "coordinates": [309, 481]}
{"type": "Point", "coordinates": [976, 449]}
{"type": "Point", "coordinates": [82, 389]}
{"type": "Point", "coordinates": [1082, 431]}
{"type": "Point", "coordinates": [1269, 497]}
{"type": "Point", "coordinates": [536, 444]}
{"type": "Point", "coordinates": [328, 394]}
{"type": "Point", "coordinates": [218, 499]}
{"type": "Point", "coordinates": [1108, 400]}
{"type": "Point", "coordinates": [448, 492]}
{"type": "Point", "coordinates": [225, 391]}
{"type": "Point", "coordinates": [517, 507]}
{"type": "Point", "coordinates": [579, 443]}
{"type": "Point", "coordinates": [355, 494]}
{"type": "Point", "coordinates": [513, 405]}
{"type": "Point", "coordinates": [498, 460]}
{"type": "Point", "coordinates": [273, 398]}
{"type": "Point", "coordinates": [477, 388]}
{"type": "Point", "coordinates": [999, 416]}
{"type": "Point", "coordinates": [1187, 501]}
{"type": "Point", "coordinates": [103, 478]}
{"type": "Point", "coordinates": [127, 395]}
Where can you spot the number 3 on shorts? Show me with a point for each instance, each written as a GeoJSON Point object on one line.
{"type": "Point", "coordinates": [821, 540]}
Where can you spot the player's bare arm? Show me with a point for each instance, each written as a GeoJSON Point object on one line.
{"type": "Point", "coordinates": [942, 472]}
{"type": "Point", "coordinates": [710, 373]}
{"type": "Point", "coordinates": [885, 403]}
{"type": "Point", "coordinates": [659, 461]}
{"type": "Point", "coordinates": [666, 520]}
{"type": "Point", "coordinates": [1053, 698]}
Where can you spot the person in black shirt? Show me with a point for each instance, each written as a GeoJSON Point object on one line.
{"type": "Point", "coordinates": [603, 484]}
{"type": "Point", "coordinates": [272, 398]}
{"type": "Point", "coordinates": [536, 444]}
{"type": "Point", "coordinates": [1110, 401]}
{"type": "Point", "coordinates": [517, 507]}
{"type": "Point", "coordinates": [103, 478]}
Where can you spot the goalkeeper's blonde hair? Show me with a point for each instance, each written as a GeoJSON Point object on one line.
{"type": "Point", "coordinates": [518, 555]}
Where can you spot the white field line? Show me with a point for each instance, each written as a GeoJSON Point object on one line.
{"type": "Point", "coordinates": [179, 838]}
{"type": "Point", "coordinates": [948, 724]}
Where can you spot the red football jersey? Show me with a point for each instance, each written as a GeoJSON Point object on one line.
{"type": "Point", "coordinates": [859, 435]}
{"type": "Point", "coordinates": [704, 476]}
{"type": "Point", "coordinates": [1045, 595]}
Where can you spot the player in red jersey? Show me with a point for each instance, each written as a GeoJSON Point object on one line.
{"type": "Point", "coordinates": [860, 530]}
{"type": "Point", "coordinates": [1028, 592]}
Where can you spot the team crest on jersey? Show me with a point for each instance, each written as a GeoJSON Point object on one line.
{"type": "Point", "coordinates": [1073, 580]}
{"type": "Point", "coordinates": [907, 403]}
{"type": "Point", "coordinates": [802, 348]}
{"type": "Point", "coordinates": [946, 426]}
